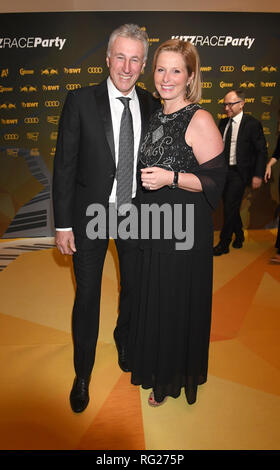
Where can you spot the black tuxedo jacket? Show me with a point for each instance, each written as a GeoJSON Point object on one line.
{"type": "Point", "coordinates": [84, 163]}
{"type": "Point", "coordinates": [251, 150]}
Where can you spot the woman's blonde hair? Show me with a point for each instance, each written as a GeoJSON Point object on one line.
{"type": "Point", "coordinates": [192, 62]}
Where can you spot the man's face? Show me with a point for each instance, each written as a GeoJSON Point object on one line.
{"type": "Point", "coordinates": [125, 63]}
{"type": "Point", "coordinates": [233, 104]}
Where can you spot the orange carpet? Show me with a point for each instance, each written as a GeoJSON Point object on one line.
{"type": "Point", "coordinates": [238, 408]}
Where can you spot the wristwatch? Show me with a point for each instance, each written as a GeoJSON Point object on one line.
{"type": "Point", "coordinates": [175, 181]}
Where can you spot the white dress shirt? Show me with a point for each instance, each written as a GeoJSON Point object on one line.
{"type": "Point", "coordinates": [235, 128]}
{"type": "Point", "coordinates": [117, 108]}
{"type": "Point", "coordinates": [116, 114]}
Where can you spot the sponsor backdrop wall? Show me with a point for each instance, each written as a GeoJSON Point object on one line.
{"type": "Point", "coordinates": [43, 55]}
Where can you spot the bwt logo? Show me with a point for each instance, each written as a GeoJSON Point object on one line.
{"type": "Point", "coordinates": [227, 68]}
{"type": "Point", "coordinates": [268, 84]}
{"type": "Point", "coordinates": [95, 69]}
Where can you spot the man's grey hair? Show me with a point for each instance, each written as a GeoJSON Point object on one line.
{"type": "Point", "coordinates": [132, 31]}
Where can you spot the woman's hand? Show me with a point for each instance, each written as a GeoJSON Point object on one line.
{"type": "Point", "coordinates": [155, 178]}
{"type": "Point", "coordinates": [267, 174]}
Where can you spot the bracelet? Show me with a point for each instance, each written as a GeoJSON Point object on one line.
{"type": "Point", "coordinates": [175, 180]}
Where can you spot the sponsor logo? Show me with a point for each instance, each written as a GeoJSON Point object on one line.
{"type": "Point", "coordinates": [247, 84]}
{"type": "Point", "coordinates": [32, 136]}
{"type": "Point", "coordinates": [11, 136]}
{"type": "Point", "coordinates": [73, 86]}
{"type": "Point", "coordinates": [142, 85]}
{"type": "Point", "coordinates": [227, 68]}
{"type": "Point", "coordinates": [226, 85]}
{"type": "Point", "coordinates": [30, 104]}
{"type": "Point", "coordinates": [31, 120]}
{"type": "Point", "coordinates": [8, 106]}
{"type": "Point", "coordinates": [221, 116]}
{"type": "Point", "coordinates": [28, 88]}
{"type": "Point", "coordinates": [9, 122]}
{"type": "Point", "coordinates": [266, 131]}
{"type": "Point", "coordinates": [53, 119]}
{"type": "Point", "coordinates": [250, 100]}
{"type": "Point", "coordinates": [5, 89]}
{"type": "Point", "coordinates": [205, 101]}
{"type": "Point", "coordinates": [206, 84]}
{"type": "Point", "coordinates": [72, 70]}
{"type": "Point", "coordinates": [248, 68]}
{"type": "Point", "coordinates": [95, 69]}
{"type": "Point", "coordinates": [267, 100]}
{"type": "Point", "coordinates": [219, 41]}
{"type": "Point", "coordinates": [23, 71]}
{"type": "Point", "coordinates": [268, 68]}
{"type": "Point", "coordinates": [4, 73]}
{"type": "Point", "coordinates": [53, 135]}
{"type": "Point", "coordinates": [206, 69]}
{"type": "Point", "coordinates": [31, 42]}
{"type": "Point", "coordinates": [12, 152]}
{"type": "Point", "coordinates": [268, 84]}
{"type": "Point", "coordinates": [266, 116]}
{"type": "Point", "coordinates": [34, 152]}
{"type": "Point", "coordinates": [52, 104]}
{"type": "Point", "coordinates": [50, 87]}
{"type": "Point", "coordinates": [49, 71]}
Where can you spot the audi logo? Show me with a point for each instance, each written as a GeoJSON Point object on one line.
{"type": "Point", "coordinates": [73, 86]}
{"type": "Point", "coordinates": [95, 69]}
{"type": "Point", "coordinates": [52, 104]}
{"type": "Point", "coordinates": [206, 84]}
{"type": "Point", "coordinates": [227, 68]}
{"type": "Point", "coordinates": [31, 120]}
{"type": "Point", "coordinates": [11, 136]}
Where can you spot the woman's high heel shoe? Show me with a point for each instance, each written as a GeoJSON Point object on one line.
{"type": "Point", "coordinates": [153, 402]}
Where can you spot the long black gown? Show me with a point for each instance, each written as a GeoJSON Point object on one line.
{"type": "Point", "coordinates": [171, 312]}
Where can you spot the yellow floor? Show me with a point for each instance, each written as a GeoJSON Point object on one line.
{"type": "Point", "coordinates": [238, 408]}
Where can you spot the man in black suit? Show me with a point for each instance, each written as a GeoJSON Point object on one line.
{"type": "Point", "coordinates": [246, 154]}
{"type": "Point", "coordinates": [87, 164]}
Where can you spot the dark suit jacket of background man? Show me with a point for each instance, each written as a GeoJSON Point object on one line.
{"type": "Point", "coordinates": [84, 167]}
{"type": "Point", "coordinates": [251, 150]}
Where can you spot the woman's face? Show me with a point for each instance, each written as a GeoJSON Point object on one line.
{"type": "Point", "coordinates": [171, 76]}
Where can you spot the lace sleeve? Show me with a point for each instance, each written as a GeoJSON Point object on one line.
{"type": "Point", "coordinates": [212, 176]}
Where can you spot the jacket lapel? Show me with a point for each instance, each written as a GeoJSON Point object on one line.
{"type": "Point", "coordinates": [145, 114]}
{"type": "Point", "coordinates": [103, 105]}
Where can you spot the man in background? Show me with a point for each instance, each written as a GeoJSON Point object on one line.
{"type": "Point", "coordinates": [246, 155]}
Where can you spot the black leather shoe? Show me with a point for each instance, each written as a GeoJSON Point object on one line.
{"type": "Point", "coordinates": [122, 352]}
{"type": "Point", "coordinates": [220, 249]}
{"type": "Point", "coordinates": [238, 242]}
{"type": "Point", "coordinates": [79, 396]}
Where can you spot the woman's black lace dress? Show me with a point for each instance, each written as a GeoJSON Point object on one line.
{"type": "Point", "coordinates": [171, 312]}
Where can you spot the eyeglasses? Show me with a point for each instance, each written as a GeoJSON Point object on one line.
{"type": "Point", "coordinates": [230, 105]}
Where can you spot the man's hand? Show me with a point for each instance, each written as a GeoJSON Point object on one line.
{"type": "Point", "coordinates": [256, 182]}
{"type": "Point", "coordinates": [64, 240]}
